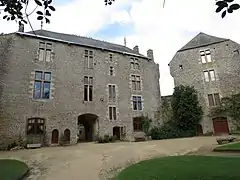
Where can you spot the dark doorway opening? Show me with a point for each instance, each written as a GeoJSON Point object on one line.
{"type": "Point", "coordinates": [67, 135]}
{"type": "Point", "coordinates": [199, 130]}
{"type": "Point", "coordinates": [116, 132]}
{"type": "Point", "coordinates": [87, 124]}
{"type": "Point", "coordinates": [55, 136]}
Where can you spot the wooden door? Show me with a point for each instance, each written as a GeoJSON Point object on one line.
{"type": "Point", "coordinates": [220, 126]}
{"type": "Point", "coordinates": [55, 136]}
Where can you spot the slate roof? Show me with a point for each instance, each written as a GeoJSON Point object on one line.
{"type": "Point", "coordinates": [202, 39]}
{"type": "Point", "coordinates": [83, 41]}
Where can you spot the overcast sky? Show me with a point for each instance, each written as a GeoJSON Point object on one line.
{"type": "Point", "coordinates": [144, 23]}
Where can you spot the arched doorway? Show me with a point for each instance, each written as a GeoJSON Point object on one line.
{"type": "Point", "coordinates": [199, 130]}
{"type": "Point", "coordinates": [67, 135]}
{"type": "Point", "coordinates": [55, 136]}
{"type": "Point", "coordinates": [87, 127]}
{"type": "Point", "coordinates": [116, 132]}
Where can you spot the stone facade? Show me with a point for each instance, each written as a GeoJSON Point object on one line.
{"type": "Point", "coordinates": [19, 54]}
{"type": "Point", "coordinates": [187, 68]}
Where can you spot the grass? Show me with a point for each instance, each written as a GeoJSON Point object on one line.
{"type": "Point", "coordinates": [229, 147]}
{"type": "Point", "coordinates": [12, 169]}
{"type": "Point", "coordinates": [184, 168]}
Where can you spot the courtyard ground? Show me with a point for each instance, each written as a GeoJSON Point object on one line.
{"type": "Point", "coordinates": [90, 161]}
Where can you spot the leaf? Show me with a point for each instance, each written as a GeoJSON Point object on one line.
{"type": "Point", "coordinates": [48, 13]}
{"type": "Point", "coordinates": [8, 18]}
{"type": "Point", "coordinates": [4, 17]}
{"type": "Point", "coordinates": [230, 10]}
{"type": "Point", "coordinates": [234, 6]}
{"type": "Point", "coordinates": [229, 1]}
{"type": "Point", "coordinates": [222, 4]}
{"type": "Point", "coordinates": [224, 14]}
{"type": "Point", "coordinates": [45, 4]}
{"type": "Point", "coordinates": [47, 20]}
{"type": "Point", "coordinates": [219, 9]}
{"type": "Point", "coordinates": [13, 17]}
{"type": "Point", "coordinates": [38, 2]}
{"type": "Point", "coordinates": [24, 21]}
{"type": "Point", "coordinates": [50, 1]}
{"type": "Point", "coordinates": [39, 13]}
{"type": "Point", "coordinates": [52, 8]}
{"type": "Point", "coordinates": [39, 17]}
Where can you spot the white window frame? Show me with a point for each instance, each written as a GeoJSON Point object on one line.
{"type": "Point", "coordinates": [133, 63]}
{"type": "Point", "coordinates": [112, 111]}
{"type": "Point", "coordinates": [208, 75]}
{"type": "Point", "coordinates": [137, 96]}
{"type": "Point", "coordinates": [89, 86]}
{"type": "Point", "coordinates": [45, 49]}
{"type": "Point", "coordinates": [205, 56]}
{"type": "Point", "coordinates": [112, 98]}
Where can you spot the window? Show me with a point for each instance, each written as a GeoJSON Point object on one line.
{"type": "Point", "coordinates": [35, 126]}
{"type": "Point", "coordinates": [209, 75]}
{"type": "Point", "coordinates": [88, 59]}
{"type": "Point", "coordinates": [137, 124]}
{"type": "Point", "coordinates": [205, 56]}
{"type": "Point", "coordinates": [136, 82]}
{"type": "Point", "coordinates": [110, 57]}
{"type": "Point", "coordinates": [112, 92]}
{"type": "Point", "coordinates": [137, 103]}
{"type": "Point", "coordinates": [180, 67]}
{"type": "Point", "coordinates": [111, 71]}
{"type": "Point", "coordinates": [45, 51]}
{"type": "Point", "coordinates": [134, 64]}
{"type": "Point", "coordinates": [88, 88]}
{"type": "Point", "coordinates": [112, 113]}
{"type": "Point", "coordinates": [42, 85]}
{"type": "Point", "coordinates": [214, 99]}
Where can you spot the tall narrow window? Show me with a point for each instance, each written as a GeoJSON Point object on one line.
{"type": "Point", "coordinates": [137, 103]}
{"type": "Point", "coordinates": [214, 99]}
{"type": "Point", "coordinates": [112, 92]}
{"type": "Point", "coordinates": [209, 75]}
{"type": "Point", "coordinates": [42, 85]}
{"type": "Point", "coordinates": [88, 88]}
{"type": "Point", "coordinates": [45, 51]}
{"type": "Point", "coordinates": [208, 56]}
{"type": "Point", "coordinates": [212, 75]}
{"type": "Point", "coordinates": [206, 76]}
{"type": "Point", "coordinates": [112, 113]}
{"type": "Point", "coordinates": [88, 59]}
{"type": "Point", "coordinates": [136, 82]}
{"type": "Point", "coordinates": [203, 58]}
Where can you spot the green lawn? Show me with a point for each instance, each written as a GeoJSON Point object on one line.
{"type": "Point", "coordinates": [229, 147]}
{"type": "Point", "coordinates": [184, 168]}
{"type": "Point", "coordinates": [12, 169]}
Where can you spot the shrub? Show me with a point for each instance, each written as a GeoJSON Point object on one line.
{"type": "Point", "coordinates": [106, 138]}
{"type": "Point", "coordinates": [12, 145]}
{"type": "Point", "coordinates": [62, 140]}
{"type": "Point", "coordinates": [113, 138]}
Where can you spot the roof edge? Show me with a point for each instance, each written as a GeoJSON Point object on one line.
{"type": "Point", "coordinates": [79, 44]}
{"type": "Point", "coordinates": [180, 50]}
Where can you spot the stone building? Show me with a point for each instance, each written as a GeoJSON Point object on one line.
{"type": "Point", "coordinates": [56, 85]}
{"type": "Point", "coordinates": [211, 65]}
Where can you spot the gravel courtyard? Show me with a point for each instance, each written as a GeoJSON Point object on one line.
{"type": "Point", "coordinates": [89, 161]}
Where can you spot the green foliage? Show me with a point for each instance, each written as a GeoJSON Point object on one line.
{"type": "Point", "coordinates": [187, 112]}
{"type": "Point", "coordinates": [106, 139]}
{"type": "Point", "coordinates": [166, 110]}
{"type": "Point", "coordinates": [62, 140]}
{"type": "Point", "coordinates": [229, 106]}
{"type": "Point", "coordinates": [146, 123]}
{"type": "Point", "coordinates": [12, 145]}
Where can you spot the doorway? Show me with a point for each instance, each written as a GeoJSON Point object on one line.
{"type": "Point", "coordinates": [116, 132]}
{"type": "Point", "coordinates": [55, 136]}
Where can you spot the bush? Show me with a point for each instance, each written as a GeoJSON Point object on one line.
{"type": "Point", "coordinates": [12, 145]}
{"type": "Point", "coordinates": [113, 138]}
{"type": "Point", "coordinates": [106, 139]}
{"type": "Point", "coordinates": [62, 140]}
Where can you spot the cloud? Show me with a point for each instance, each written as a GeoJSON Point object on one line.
{"type": "Point", "coordinates": [165, 30]}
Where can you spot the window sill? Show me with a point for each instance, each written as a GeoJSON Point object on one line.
{"type": "Point", "coordinates": [41, 100]}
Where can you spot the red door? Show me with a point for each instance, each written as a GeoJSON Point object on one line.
{"type": "Point", "coordinates": [220, 126]}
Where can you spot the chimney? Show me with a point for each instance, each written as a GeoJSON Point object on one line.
{"type": "Point", "coordinates": [150, 54]}
{"type": "Point", "coordinates": [125, 42]}
{"type": "Point", "coordinates": [136, 49]}
{"type": "Point", "coordinates": [21, 28]}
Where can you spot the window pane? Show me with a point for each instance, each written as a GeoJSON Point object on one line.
{"type": "Point", "coordinates": [114, 113]}
{"type": "Point", "coordinates": [139, 105]}
{"type": "Point", "coordinates": [113, 93]}
{"type": "Point", "coordinates": [90, 53]}
{"type": "Point", "coordinates": [134, 85]}
{"type": "Point", "coordinates": [49, 46]}
{"type": "Point", "coordinates": [209, 58]}
{"type": "Point", "coordinates": [212, 75]}
{"type": "Point", "coordinates": [38, 75]}
{"type": "Point", "coordinates": [134, 105]}
{"type": "Point", "coordinates": [41, 55]}
{"type": "Point", "coordinates": [86, 61]}
{"type": "Point", "coordinates": [37, 90]}
{"type": "Point", "coordinates": [48, 55]}
{"type": "Point", "coordinates": [132, 65]}
{"type": "Point", "coordinates": [133, 77]}
{"type": "Point", "coordinates": [90, 62]}
{"type": "Point", "coordinates": [46, 90]}
{"type": "Point", "coordinates": [90, 93]}
{"type": "Point", "coordinates": [91, 80]}
{"type": "Point", "coordinates": [217, 99]}
{"type": "Point", "coordinates": [134, 98]}
{"type": "Point", "coordinates": [42, 45]}
{"type": "Point", "coordinates": [110, 113]}
{"type": "Point", "coordinates": [138, 78]}
{"type": "Point", "coordinates": [47, 76]}
{"type": "Point", "coordinates": [137, 66]}
{"type": "Point", "coordinates": [85, 80]}
{"type": "Point", "coordinates": [86, 52]}
{"type": "Point", "coordinates": [138, 85]}
{"type": "Point", "coordinates": [203, 59]}
{"type": "Point", "coordinates": [111, 71]}
{"type": "Point", "coordinates": [206, 76]}
{"type": "Point", "coordinates": [110, 92]}
{"type": "Point", "coordinates": [210, 100]}
{"type": "Point", "coordinates": [85, 92]}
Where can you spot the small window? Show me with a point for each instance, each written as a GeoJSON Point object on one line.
{"type": "Point", "coordinates": [136, 82]}
{"type": "Point", "coordinates": [112, 113]}
{"type": "Point", "coordinates": [137, 103]}
{"type": "Point", "coordinates": [209, 75]}
{"type": "Point", "coordinates": [42, 85]}
{"type": "Point", "coordinates": [45, 51]}
{"type": "Point", "coordinates": [206, 56]}
{"type": "Point", "coordinates": [214, 99]}
{"type": "Point", "coordinates": [180, 67]}
{"type": "Point", "coordinates": [88, 88]}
